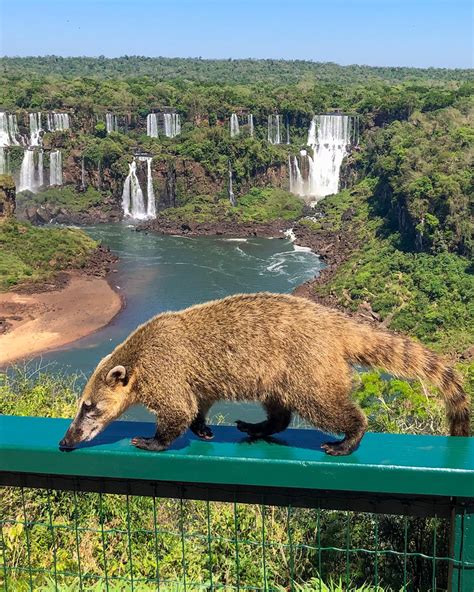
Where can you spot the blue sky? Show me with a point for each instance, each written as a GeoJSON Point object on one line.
{"type": "Point", "coordinates": [376, 32]}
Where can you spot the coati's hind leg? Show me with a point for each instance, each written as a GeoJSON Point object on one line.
{"type": "Point", "coordinates": [199, 425]}
{"type": "Point", "coordinates": [331, 410]}
{"type": "Point", "coordinates": [278, 420]}
{"type": "Point", "coordinates": [353, 427]}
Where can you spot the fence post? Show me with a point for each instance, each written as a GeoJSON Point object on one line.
{"type": "Point", "coordinates": [461, 576]}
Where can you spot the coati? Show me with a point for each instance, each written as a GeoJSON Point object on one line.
{"type": "Point", "coordinates": [292, 355]}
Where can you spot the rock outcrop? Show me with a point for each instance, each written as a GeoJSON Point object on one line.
{"type": "Point", "coordinates": [7, 196]}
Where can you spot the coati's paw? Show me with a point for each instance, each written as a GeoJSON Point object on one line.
{"type": "Point", "coordinates": [245, 427]}
{"type": "Point", "coordinates": [148, 444]}
{"type": "Point", "coordinates": [204, 432]}
{"type": "Point", "coordinates": [341, 448]}
{"type": "Point", "coordinates": [254, 430]}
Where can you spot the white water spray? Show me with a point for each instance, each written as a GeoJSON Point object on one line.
{"type": "Point", "coordinates": [111, 123]}
{"type": "Point", "coordinates": [152, 125]}
{"type": "Point", "coordinates": [330, 137]}
{"type": "Point", "coordinates": [150, 194]}
{"type": "Point", "coordinates": [35, 129]}
{"type": "Point", "coordinates": [172, 124]}
{"type": "Point", "coordinates": [58, 122]}
{"type": "Point", "coordinates": [250, 123]}
{"type": "Point", "coordinates": [55, 168]}
{"type": "Point", "coordinates": [27, 172]}
{"type": "Point", "coordinates": [8, 130]}
{"type": "Point", "coordinates": [234, 126]}
{"type": "Point", "coordinates": [274, 127]}
{"type": "Point", "coordinates": [132, 195]}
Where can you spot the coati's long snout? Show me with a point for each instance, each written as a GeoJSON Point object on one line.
{"type": "Point", "coordinates": [290, 354]}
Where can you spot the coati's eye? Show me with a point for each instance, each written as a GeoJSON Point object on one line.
{"type": "Point", "coordinates": [87, 407]}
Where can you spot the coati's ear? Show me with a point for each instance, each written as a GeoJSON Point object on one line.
{"type": "Point", "coordinates": [116, 375]}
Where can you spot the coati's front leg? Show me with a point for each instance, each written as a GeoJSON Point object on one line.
{"type": "Point", "coordinates": [172, 421]}
{"type": "Point", "coordinates": [200, 427]}
{"type": "Point", "coordinates": [278, 419]}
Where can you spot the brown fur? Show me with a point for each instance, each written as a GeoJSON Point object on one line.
{"type": "Point", "coordinates": [290, 354]}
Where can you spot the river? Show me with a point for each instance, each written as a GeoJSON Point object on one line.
{"type": "Point", "coordinates": [157, 273]}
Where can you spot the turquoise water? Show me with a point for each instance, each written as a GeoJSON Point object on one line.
{"type": "Point", "coordinates": [158, 273]}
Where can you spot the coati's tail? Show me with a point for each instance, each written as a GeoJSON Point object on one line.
{"type": "Point", "coordinates": [403, 357]}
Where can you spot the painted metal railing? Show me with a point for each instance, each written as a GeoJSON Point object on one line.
{"type": "Point", "coordinates": [232, 514]}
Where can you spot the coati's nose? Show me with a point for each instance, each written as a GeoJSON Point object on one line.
{"type": "Point", "coordinates": [64, 444]}
{"type": "Point", "coordinates": [70, 439]}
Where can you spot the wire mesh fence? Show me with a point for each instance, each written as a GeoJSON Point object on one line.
{"type": "Point", "coordinates": [68, 540]}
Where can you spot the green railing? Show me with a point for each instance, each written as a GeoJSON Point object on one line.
{"type": "Point", "coordinates": [233, 514]}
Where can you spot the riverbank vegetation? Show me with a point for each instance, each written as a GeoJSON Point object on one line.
{"type": "Point", "coordinates": [29, 253]}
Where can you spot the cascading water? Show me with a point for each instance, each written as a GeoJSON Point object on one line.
{"type": "Point", "coordinates": [316, 175]}
{"type": "Point", "coordinates": [3, 161]}
{"type": "Point", "coordinates": [8, 129]}
{"type": "Point", "coordinates": [150, 194]}
{"type": "Point", "coordinates": [27, 172]}
{"type": "Point", "coordinates": [35, 129]}
{"type": "Point", "coordinates": [55, 168]}
{"type": "Point", "coordinates": [274, 125]}
{"type": "Point", "coordinates": [297, 184]}
{"type": "Point", "coordinates": [111, 123]}
{"type": "Point", "coordinates": [232, 199]}
{"type": "Point", "coordinates": [234, 126]}
{"type": "Point", "coordinates": [152, 125]}
{"type": "Point", "coordinates": [172, 124]}
{"type": "Point", "coordinates": [330, 138]}
{"type": "Point", "coordinates": [40, 175]}
{"type": "Point", "coordinates": [132, 196]}
{"type": "Point", "coordinates": [58, 122]}
{"type": "Point", "coordinates": [250, 124]}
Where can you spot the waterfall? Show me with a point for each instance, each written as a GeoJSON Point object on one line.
{"type": "Point", "coordinates": [250, 124]}
{"type": "Point", "coordinates": [40, 175]}
{"type": "Point", "coordinates": [297, 183]}
{"type": "Point", "coordinates": [4, 130]}
{"type": "Point", "coordinates": [3, 161]}
{"type": "Point", "coordinates": [234, 126]}
{"type": "Point", "coordinates": [172, 124]}
{"type": "Point", "coordinates": [58, 122]}
{"type": "Point", "coordinates": [330, 138]}
{"type": "Point", "coordinates": [287, 131]}
{"type": "Point", "coordinates": [232, 199]}
{"type": "Point", "coordinates": [274, 124]}
{"type": "Point", "coordinates": [152, 125]}
{"type": "Point", "coordinates": [8, 129]}
{"type": "Point", "coordinates": [35, 129]}
{"type": "Point", "coordinates": [55, 168]}
{"type": "Point", "coordinates": [150, 194]}
{"type": "Point", "coordinates": [132, 196]}
{"type": "Point", "coordinates": [111, 123]}
{"type": "Point", "coordinates": [27, 172]}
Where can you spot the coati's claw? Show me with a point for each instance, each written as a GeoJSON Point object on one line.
{"type": "Point", "coordinates": [201, 429]}
{"type": "Point", "coordinates": [205, 433]}
{"type": "Point", "coordinates": [336, 448]}
{"type": "Point", "coordinates": [148, 444]}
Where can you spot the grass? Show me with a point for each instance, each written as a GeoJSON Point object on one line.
{"type": "Point", "coordinates": [64, 197]}
{"type": "Point", "coordinates": [29, 253]}
{"type": "Point", "coordinates": [258, 205]}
